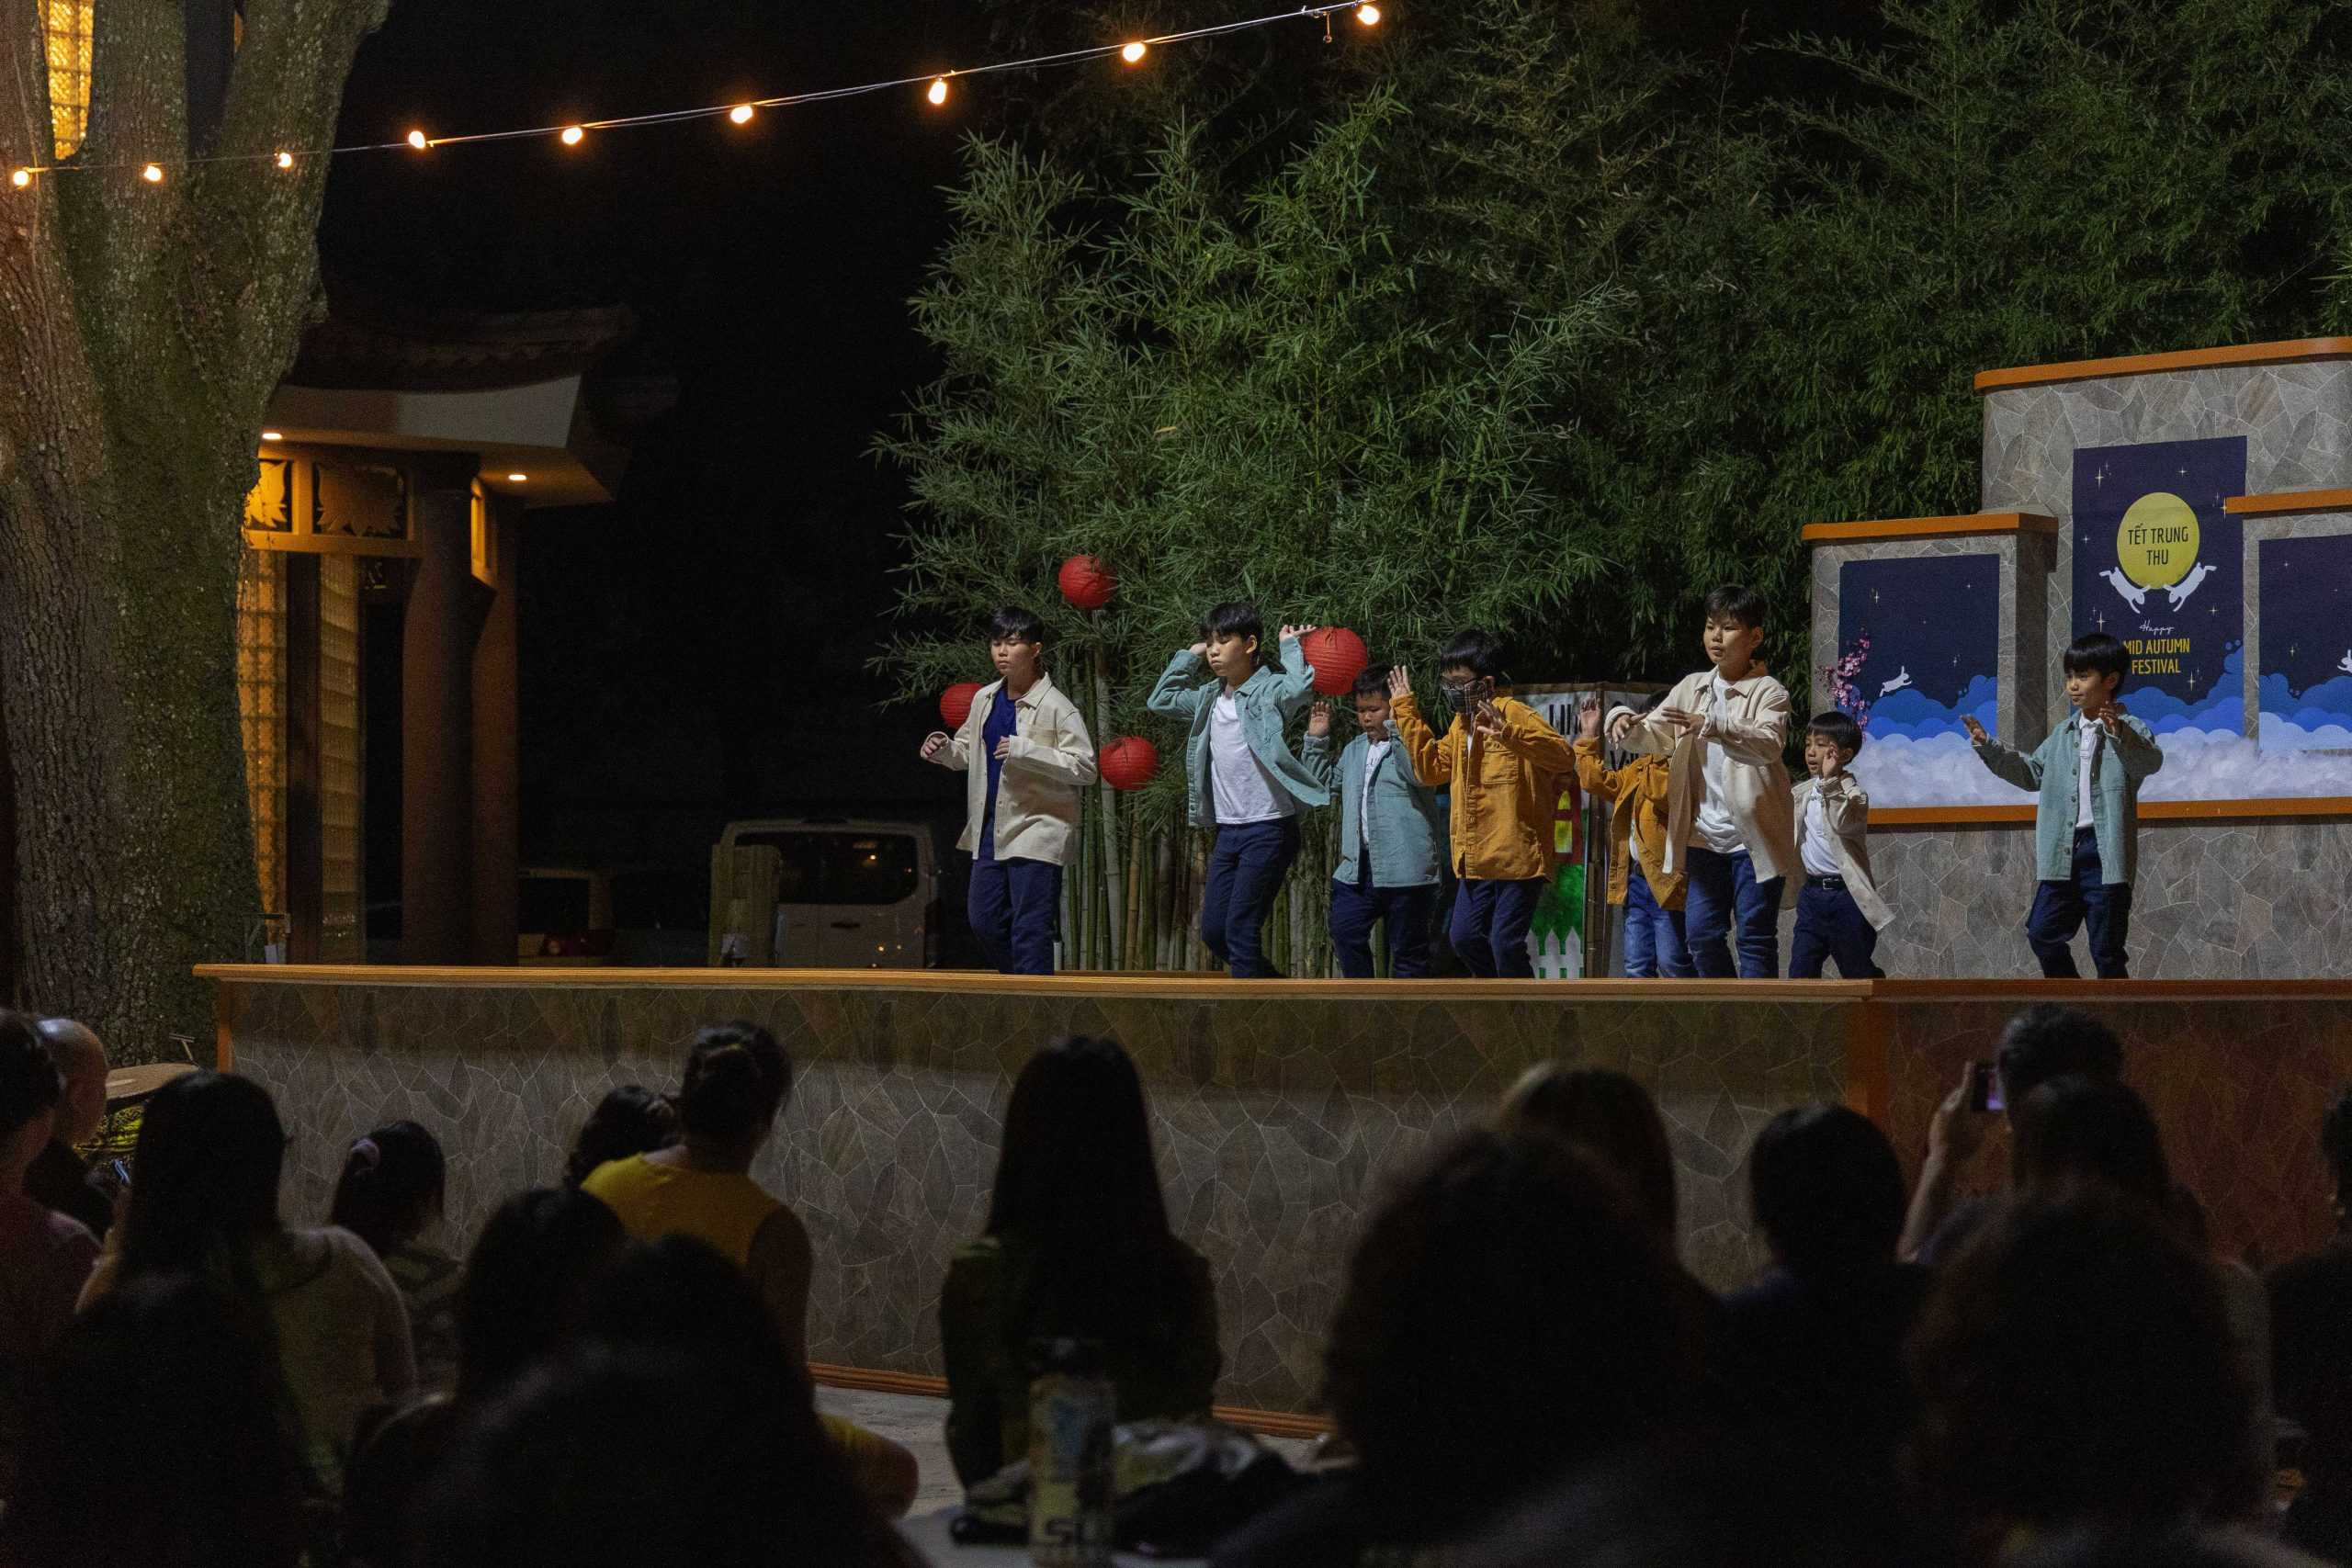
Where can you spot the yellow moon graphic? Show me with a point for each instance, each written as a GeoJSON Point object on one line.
{"type": "Point", "coordinates": [2156, 543]}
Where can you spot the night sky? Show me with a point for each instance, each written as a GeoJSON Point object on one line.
{"type": "Point", "coordinates": [1937, 616]}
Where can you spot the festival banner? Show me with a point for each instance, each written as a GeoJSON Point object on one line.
{"type": "Point", "coordinates": [1919, 652]}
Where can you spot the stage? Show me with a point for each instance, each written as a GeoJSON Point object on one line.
{"type": "Point", "coordinates": [1277, 1106]}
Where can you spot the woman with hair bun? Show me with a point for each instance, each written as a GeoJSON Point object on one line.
{"type": "Point", "coordinates": [738, 1080]}
{"type": "Point", "coordinates": [389, 1196]}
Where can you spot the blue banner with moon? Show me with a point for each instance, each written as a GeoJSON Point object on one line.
{"type": "Point", "coordinates": [1918, 655]}
{"type": "Point", "coordinates": [2159, 564]}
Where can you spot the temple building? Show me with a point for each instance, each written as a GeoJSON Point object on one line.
{"type": "Point", "coordinates": [377, 613]}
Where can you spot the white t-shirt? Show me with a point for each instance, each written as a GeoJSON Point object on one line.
{"type": "Point", "coordinates": [1374, 750]}
{"type": "Point", "coordinates": [1244, 791]}
{"type": "Point", "coordinates": [1715, 827]}
{"type": "Point", "coordinates": [2091, 737]}
{"type": "Point", "coordinates": [1820, 844]}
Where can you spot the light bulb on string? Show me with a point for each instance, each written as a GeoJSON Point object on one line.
{"type": "Point", "coordinates": [572, 135]}
{"type": "Point", "coordinates": [1133, 54]}
{"type": "Point", "coordinates": [286, 160]}
{"type": "Point", "coordinates": [938, 94]}
{"type": "Point", "coordinates": [741, 114]}
{"type": "Point", "coordinates": [152, 173]}
{"type": "Point", "coordinates": [1368, 15]}
{"type": "Point", "coordinates": [416, 139]}
{"type": "Point", "coordinates": [21, 178]}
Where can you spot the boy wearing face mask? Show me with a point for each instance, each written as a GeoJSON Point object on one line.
{"type": "Point", "coordinates": [1731, 817]}
{"type": "Point", "coordinates": [1506, 768]}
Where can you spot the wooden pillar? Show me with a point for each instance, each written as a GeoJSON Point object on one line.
{"type": "Point", "coordinates": [436, 724]}
{"type": "Point", "coordinates": [497, 752]}
{"type": "Point", "coordinates": [304, 861]}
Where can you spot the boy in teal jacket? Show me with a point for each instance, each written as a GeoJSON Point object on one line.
{"type": "Point", "coordinates": [1392, 839]}
{"type": "Point", "coordinates": [1243, 779]}
{"type": "Point", "coordinates": [2088, 775]}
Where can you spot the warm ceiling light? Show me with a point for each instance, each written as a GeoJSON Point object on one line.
{"type": "Point", "coordinates": [152, 173]}
{"type": "Point", "coordinates": [273, 435]}
{"type": "Point", "coordinates": [1133, 53]}
{"type": "Point", "coordinates": [938, 94]}
{"type": "Point", "coordinates": [416, 139]}
{"type": "Point", "coordinates": [1368, 15]}
{"type": "Point", "coordinates": [286, 160]}
{"type": "Point", "coordinates": [571, 135]}
{"type": "Point", "coordinates": [518, 479]}
{"type": "Point", "coordinates": [21, 178]}
{"type": "Point", "coordinates": [741, 114]}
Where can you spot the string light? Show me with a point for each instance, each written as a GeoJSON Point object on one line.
{"type": "Point", "coordinates": [273, 435]}
{"type": "Point", "coordinates": [1131, 52]}
{"type": "Point", "coordinates": [518, 479]}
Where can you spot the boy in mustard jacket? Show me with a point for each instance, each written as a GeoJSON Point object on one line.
{"type": "Point", "coordinates": [1505, 767]}
{"type": "Point", "coordinates": [1638, 880]}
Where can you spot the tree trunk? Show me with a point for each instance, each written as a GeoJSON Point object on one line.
{"type": "Point", "coordinates": [145, 326]}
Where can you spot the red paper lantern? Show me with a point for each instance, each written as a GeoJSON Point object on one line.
{"type": "Point", "coordinates": [1338, 656]}
{"type": "Point", "coordinates": [1087, 582]}
{"type": "Point", "coordinates": [1130, 762]}
{"type": "Point", "coordinates": [955, 703]}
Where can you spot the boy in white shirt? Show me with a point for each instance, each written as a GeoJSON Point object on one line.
{"type": "Point", "coordinates": [1731, 821]}
{"type": "Point", "coordinates": [1242, 776]}
{"type": "Point", "coordinates": [1839, 912]}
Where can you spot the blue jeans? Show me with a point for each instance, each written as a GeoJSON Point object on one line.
{"type": "Point", "coordinates": [1245, 870]}
{"type": "Point", "coordinates": [1654, 939]}
{"type": "Point", "coordinates": [1830, 925]}
{"type": "Point", "coordinates": [1722, 887]}
{"type": "Point", "coordinates": [1015, 906]}
{"type": "Point", "coordinates": [2060, 907]}
{"type": "Point", "coordinates": [1356, 907]}
{"type": "Point", "coordinates": [1491, 921]}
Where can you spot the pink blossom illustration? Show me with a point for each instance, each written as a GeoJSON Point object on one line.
{"type": "Point", "coordinates": [1838, 680]}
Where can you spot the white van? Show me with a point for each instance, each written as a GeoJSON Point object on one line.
{"type": "Point", "coordinates": [852, 895]}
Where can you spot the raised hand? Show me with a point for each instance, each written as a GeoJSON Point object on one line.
{"type": "Point", "coordinates": [1589, 716]}
{"type": "Point", "coordinates": [1200, 651]}
{"type": "Point", "coordinates": [932, 744]}
{"type": "Point", "coordinates": [1976, 735]}
{"type": "Point", "coordinates": [1400, 683]}
{"type": "Point", "coordinates": [1318, 721]}
{"type": "Point", "coordinates": [1683, 719]}
{"type": "Point", "coordinates": [1488, 719]}
{"type": "Point", "coordinates": [2109, 717]}
{"type": "Point", "coordinates": [1289, 632]}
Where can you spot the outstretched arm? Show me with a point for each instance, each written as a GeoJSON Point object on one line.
{"type": "Point", "coordinates": [2006, 762]}
{"type": "Point", "coordinates": [1295, 683]}
{"type": "Point", "coordinates": [1432, 760]}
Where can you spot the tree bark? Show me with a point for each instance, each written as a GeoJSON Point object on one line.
{"type": "Point", "coordinates": [144, 327]}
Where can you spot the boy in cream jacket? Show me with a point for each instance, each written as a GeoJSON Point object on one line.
{"type": "Point", "coordinates": [1839, 912]}
{"type": "Point", "coordinates": [1731, 819]}
{"type": "Point", "coordinates": [1026, 756]}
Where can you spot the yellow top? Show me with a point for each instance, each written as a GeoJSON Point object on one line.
{"type": "Point", "coordinates": [723, 1208]}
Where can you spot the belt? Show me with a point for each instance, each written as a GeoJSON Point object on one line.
{"type": "Point", "coordinates": [1826, 883]}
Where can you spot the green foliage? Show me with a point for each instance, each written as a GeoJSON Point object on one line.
{"type": "Point", "coordinates": [1223, 393]}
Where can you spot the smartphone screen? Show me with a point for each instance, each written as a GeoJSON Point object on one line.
{"type": "Point", "coordinates": [1984, 1088]}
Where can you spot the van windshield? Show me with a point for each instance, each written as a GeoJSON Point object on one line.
{"type": "Point", "coordinates": [841, 868]}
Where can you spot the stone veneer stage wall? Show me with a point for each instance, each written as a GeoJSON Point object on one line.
{"type": "Point", "coordinates": [1277, 1106]}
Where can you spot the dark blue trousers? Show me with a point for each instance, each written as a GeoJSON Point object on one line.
{"type": "Point", "coordinates": [1489, 929]}
{"type": "Point", "coordinates": [1830, 925]}
{"type": "Point", "coordinates": [1356, 907]}
{"type": "Point", "coordinates": [2059, 909]}
{"type": "Point", "coordinates": [1721, 889]}
{"type": "Point", "coordinates": [1655, 945]}
{"type": "Point", "coordinates": [1245, 870]}
{"type": "Point", "coordinates": [1015, 906]}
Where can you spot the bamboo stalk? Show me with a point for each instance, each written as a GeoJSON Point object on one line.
{"type": "Point", "coordinates": [1114, 945]}
{"type": "Point", "coordinates": [1128, 956]}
